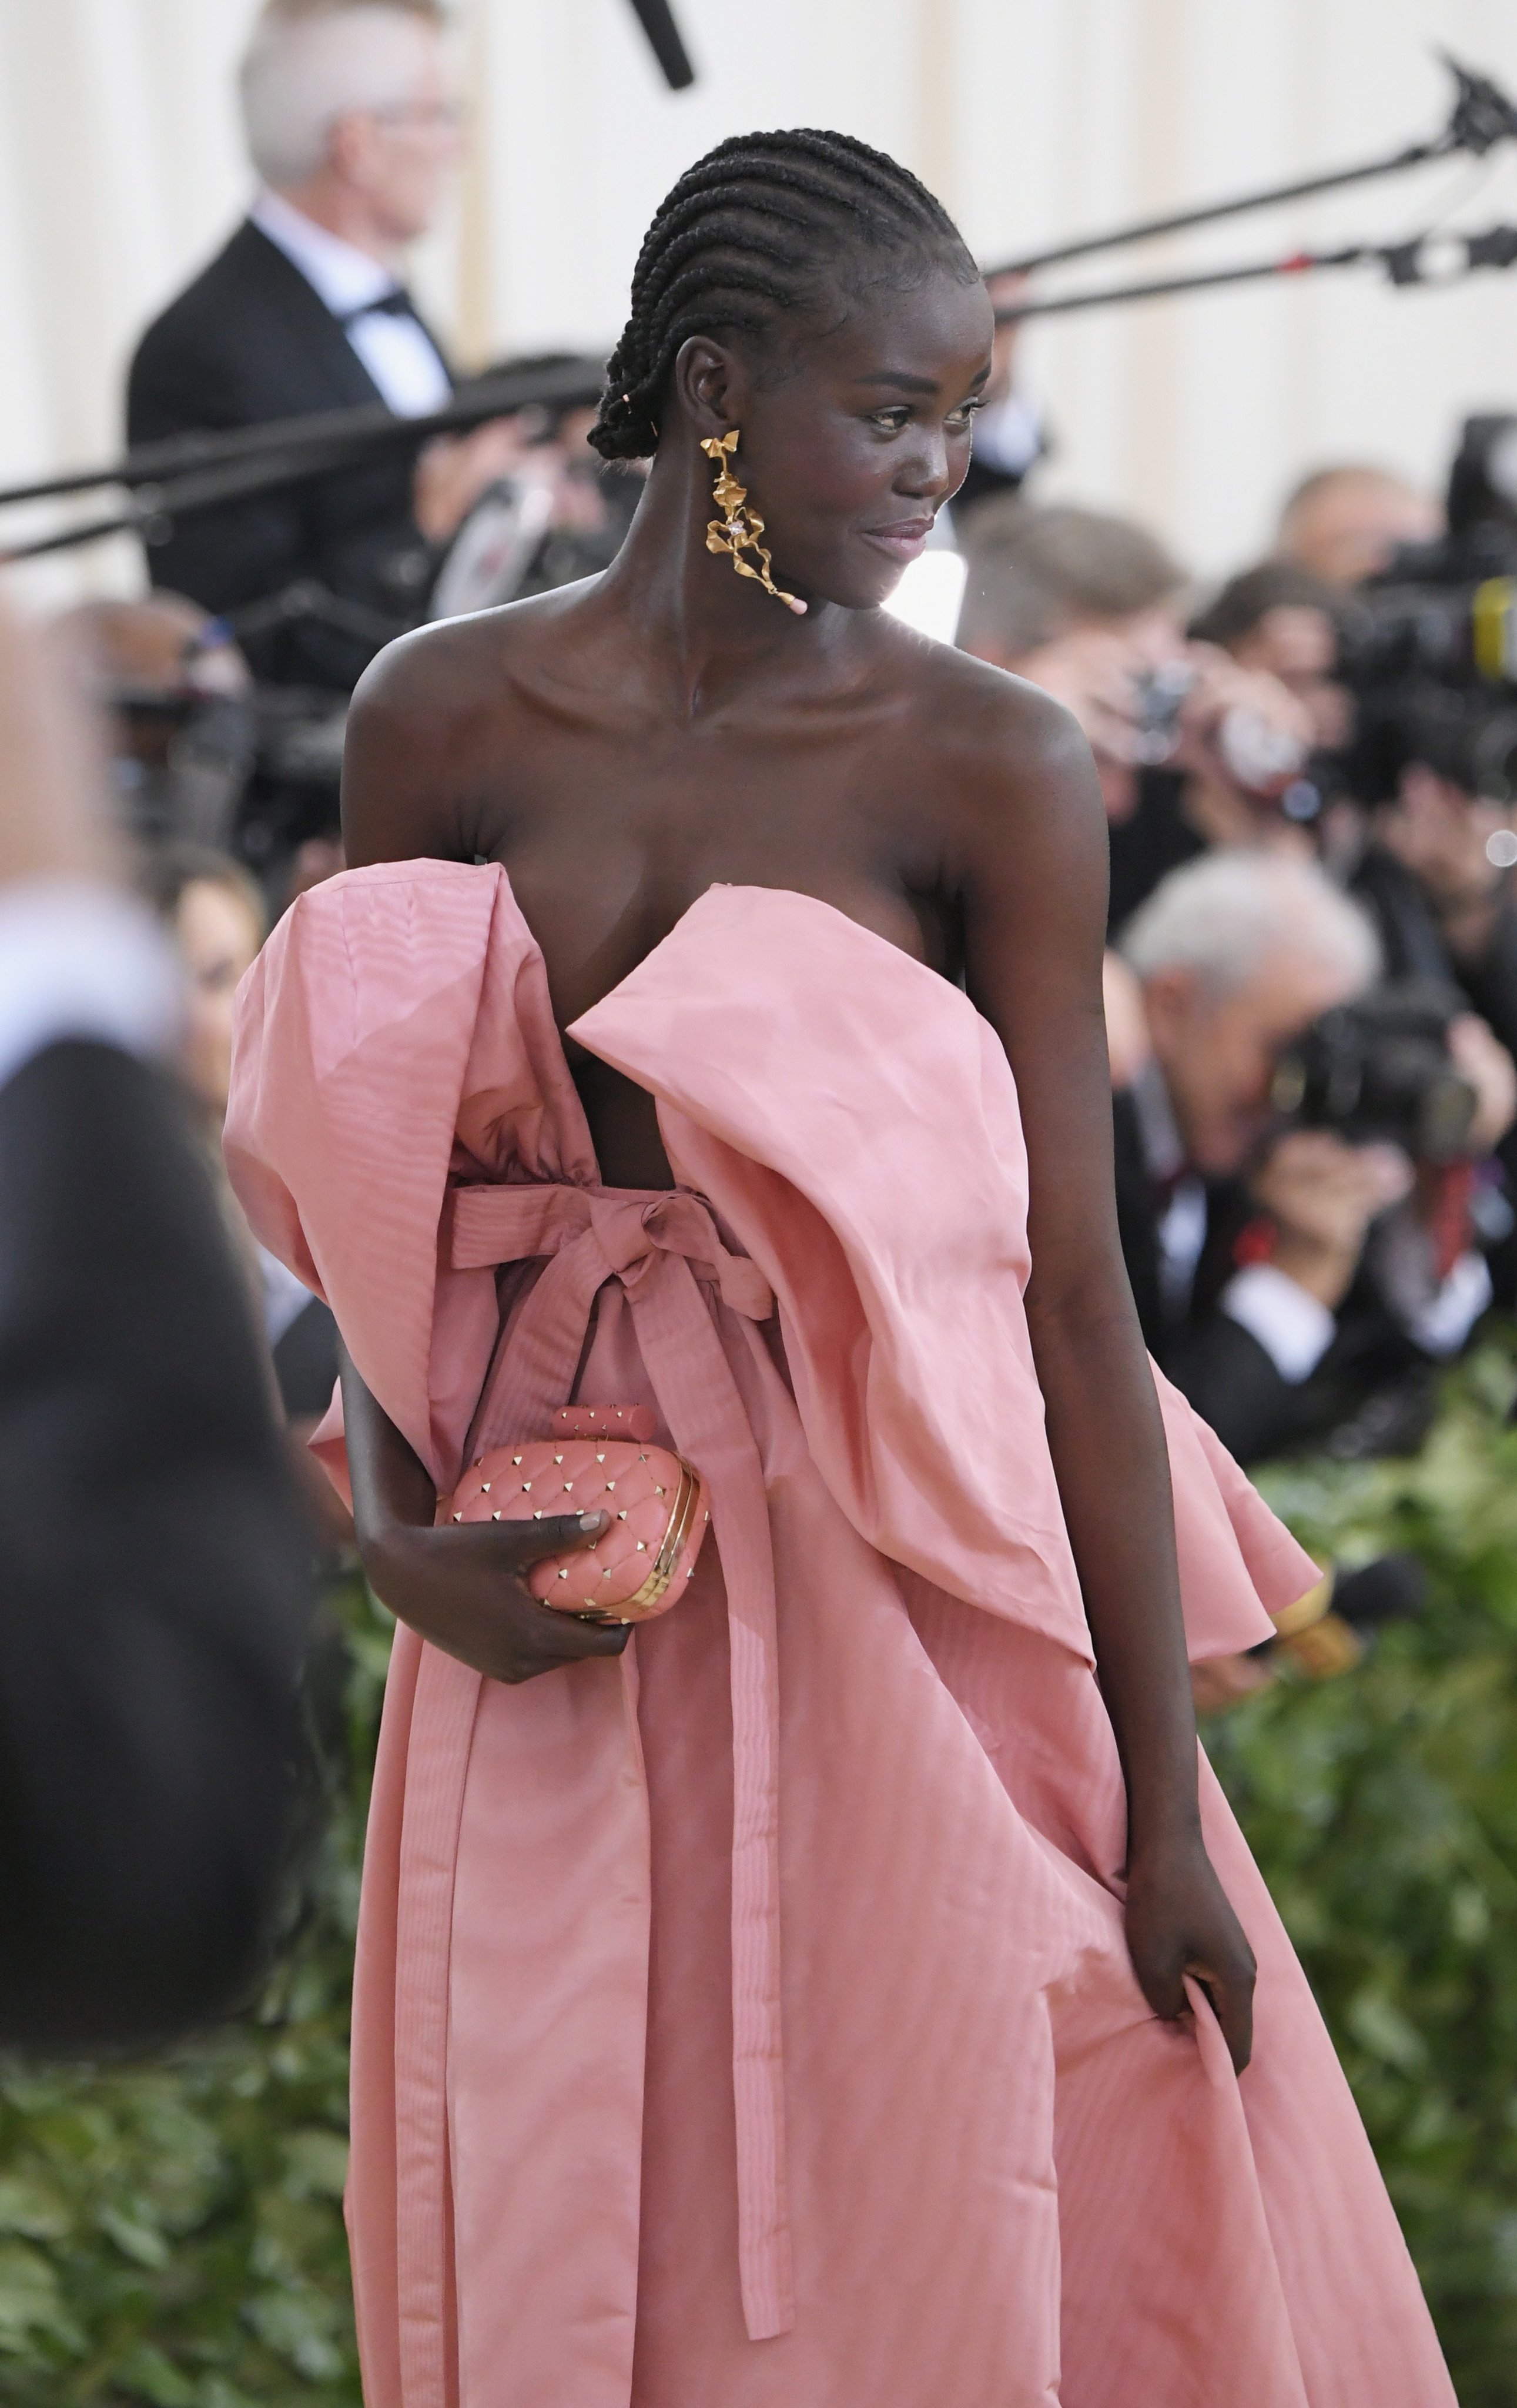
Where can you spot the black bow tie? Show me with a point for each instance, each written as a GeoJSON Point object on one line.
{"type": "Point", "coordinates": [396, 303]}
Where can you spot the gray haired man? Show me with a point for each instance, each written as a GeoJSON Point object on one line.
{"type": "Point", "coordinates": [354, 131]}
{"type": "Point", "coordinates": [1292, 1285]}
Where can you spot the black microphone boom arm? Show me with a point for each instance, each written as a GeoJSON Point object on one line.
{"type": "Point", "coordinates": [656, 19]}
{"type": "Point", "coordinates": [1482, 117]}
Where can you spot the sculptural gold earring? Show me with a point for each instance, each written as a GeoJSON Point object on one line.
{"type": "Point", "coordinates": [738, 528]}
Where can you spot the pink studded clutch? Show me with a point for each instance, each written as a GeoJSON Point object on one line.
{"type": "Point", "coordinates": [600, 1458]}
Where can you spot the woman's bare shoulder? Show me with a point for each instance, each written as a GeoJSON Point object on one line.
{"type": "Point", "coordinates": [433, 716]}
{"type": "Point", "coordinates": [1024, 835]}
{"type": "Point", "coordinates": [995, 735]}
{"type": "Point", "coordinates": [455, 665]}
{"type": "Point", "coordinates": [430, 725]}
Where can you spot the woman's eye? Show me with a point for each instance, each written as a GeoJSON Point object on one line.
{"type": "Point", "coordinates": [891, 420]}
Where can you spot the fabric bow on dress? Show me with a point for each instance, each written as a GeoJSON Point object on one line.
{"type": "Point", "coordinates": [663, 1250]}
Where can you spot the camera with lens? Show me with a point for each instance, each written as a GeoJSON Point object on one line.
{"type": "Point", "coordinates": [1429, 647]}
{"type": "Point", "coordinates": [1379, 1071]}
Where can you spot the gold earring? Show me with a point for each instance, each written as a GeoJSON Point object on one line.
{"type": "Point", "coordinates": [738, 528]}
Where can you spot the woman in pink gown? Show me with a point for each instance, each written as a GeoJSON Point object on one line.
{"type": "Point", "coordinates": [842, 1993]}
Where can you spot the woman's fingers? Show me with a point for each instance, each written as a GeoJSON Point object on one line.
{"type": "Point", "coordinates": [1231, 1993]}
{"type": "Point", "coordinates": [1231, 2000]}
{"type": "Point", "coordinates": [557, 1534]}
{"type": "Point", "coordinates": [564, 1634]}
{"type": "Point", "coordinates": [567, 1638]}
{"type": "Point", "coordinates": [1179, 1922]}
{"type": "Point", "coordinates": [1163, 1984]}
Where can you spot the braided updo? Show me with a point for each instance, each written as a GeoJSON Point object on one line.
{"type": "Point", "coordinates": [753, 233]}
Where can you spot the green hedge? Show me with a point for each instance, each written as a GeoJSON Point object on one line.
{"type": "Point", "coordinates": [173, 2234]}
{"type": "Point", "coordinates": [1383, 1808]}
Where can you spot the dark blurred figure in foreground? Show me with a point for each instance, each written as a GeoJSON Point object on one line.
{"type": "Point", "coordinates": [355, 130]}
{"type": "Point", "coordinates": [153, 1558]}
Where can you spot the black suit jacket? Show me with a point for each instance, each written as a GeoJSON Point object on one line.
{"type": "Point", "coordinates": [154, 1569]}
{"type": "Point", "coordinates": [1222, 1370]}
{"type": "Point", "coordinates": [1155, 839]}
{"type": "Point", "coordinates": [1371, 1392]}
{"type": "Point", "coordinates": [248, 342]}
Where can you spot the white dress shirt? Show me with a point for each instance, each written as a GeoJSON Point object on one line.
{"type": "Point", "coordinates": [1294, 1327]}
{"type": "Point", "coordinates": [79, 960]}
{"type": "Point", "coordinates": [397, 351]}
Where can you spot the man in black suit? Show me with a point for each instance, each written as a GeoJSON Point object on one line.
{"type": "Point", "coordinates": [154, 1562]}
{"type": "Point", "coordinates": [354, 131]}
{"type": "Point", "coordinates": [1289, 1289]}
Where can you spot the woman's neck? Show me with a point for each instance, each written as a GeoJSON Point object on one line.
{"type": "Point", "coordinates": [709, 629]}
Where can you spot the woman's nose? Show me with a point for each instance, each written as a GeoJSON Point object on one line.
{"type": "Point", "coordinates": [924, 474]}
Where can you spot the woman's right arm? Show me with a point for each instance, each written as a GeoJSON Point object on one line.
{"type": "Point", "coordinates": [461, 1586]}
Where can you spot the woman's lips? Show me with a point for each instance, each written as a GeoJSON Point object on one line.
{"type": "Point", "coordinates": [902, 539]}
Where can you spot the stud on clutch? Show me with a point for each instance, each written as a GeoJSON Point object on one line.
{"type": "Point", "coordinates": [738, 528]}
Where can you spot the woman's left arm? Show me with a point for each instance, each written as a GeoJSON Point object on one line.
{"type": "Point", "coordinates": [1032, 882]}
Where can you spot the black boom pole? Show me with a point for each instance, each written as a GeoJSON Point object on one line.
{"type": "Point", "coordinates": [1482, 117]}
{"type": "Point", "coordinates": [656, 19]}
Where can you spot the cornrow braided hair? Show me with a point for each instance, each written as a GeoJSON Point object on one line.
{"type": "Point", "coordinates": [753, 234]}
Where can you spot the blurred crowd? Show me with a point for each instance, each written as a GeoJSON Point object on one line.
{"type": "Point", "coordinates": [1312, 983]}
{"type": "Point", "coordinates": [1312, 990]}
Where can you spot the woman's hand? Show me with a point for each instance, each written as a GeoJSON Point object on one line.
{"type": "Point", "coordinates": [1179, 1922]}
{"type": "Point", "coordinates": [1480, 1056]}
{"type": "Point", "coordinates": [1323, 1197]}
{"type": "Point", "coordinates": [460, 1585]}
{"type": "Point", "coordinates": [464, 1587]}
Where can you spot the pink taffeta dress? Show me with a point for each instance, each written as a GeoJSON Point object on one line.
{"type": "Point", "coordinates": [747, 2023]}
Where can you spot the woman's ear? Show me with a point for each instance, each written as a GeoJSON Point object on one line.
{"type": "Point", "coordinates": [708, 385]}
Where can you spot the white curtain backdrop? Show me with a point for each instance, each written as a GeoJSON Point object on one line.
{"type": "Point", "coordinates": [120, 169]}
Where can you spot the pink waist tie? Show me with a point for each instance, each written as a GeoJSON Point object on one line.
{"type": "Point", "coordinates": [659, 1249]}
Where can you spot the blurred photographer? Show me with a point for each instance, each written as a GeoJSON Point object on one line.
{"type": "Point", "coordinates": [153, 1558]}
{"type": "Point", "coordinates": [1436, 869]}
{"type": "Point", "coordinates": [354, 126]}
{"type": "Point", "coordinates": [1192, 748]}
{"type": "Point", "coordinates": [1281, 621]}
{"type": "Point", "coordinates": [198, 754]}
{"type": "Point", "coordinates": [1348, 522]}
{"type": "Point", "coordinates": [174, 694]}
{"type": "Point", "coordinates": [1292, 1267]}
{"type": "Point", "coordinates": [1429, 650]}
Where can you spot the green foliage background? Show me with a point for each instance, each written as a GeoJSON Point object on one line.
{"type": "Point", "coordinates": [173, 2234]}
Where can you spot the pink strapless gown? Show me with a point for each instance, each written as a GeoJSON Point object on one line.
{"type": "Point", "coordinates": [748, 2024]}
